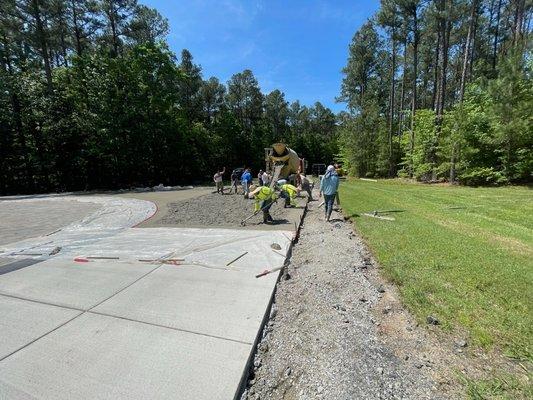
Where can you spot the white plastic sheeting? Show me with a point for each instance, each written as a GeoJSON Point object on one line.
{"type": "Point", "coordinates": [114, 215]}
{"type": "Point", "coordinates": [108, 233]}
{"type": "Point", "coordinates": [206, 248]}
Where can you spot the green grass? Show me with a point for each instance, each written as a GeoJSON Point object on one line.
{"type": "Point", "coordinates": [505, 387]}
{"type": "Point", "coordinates": [462, 254]}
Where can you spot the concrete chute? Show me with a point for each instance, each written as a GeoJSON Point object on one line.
{"type": "Point", "coordinates": [282, 161]}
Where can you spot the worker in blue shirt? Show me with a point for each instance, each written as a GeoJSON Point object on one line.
{"type": "Point", "coordinates": [246, 180]}
{"type": "Point", "coordinates": [329, 186]}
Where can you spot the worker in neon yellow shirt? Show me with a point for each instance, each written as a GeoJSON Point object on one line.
{"type": "Point", "coordinates": [288, 192]}
{"type": "Point", "coordinates": [264, 198]}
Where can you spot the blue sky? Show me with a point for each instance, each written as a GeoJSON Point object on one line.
{"type": "Point", "coordinates": [297, 46]}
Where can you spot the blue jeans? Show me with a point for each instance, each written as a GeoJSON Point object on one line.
{"type": "Point", "coordinates": [265, 206]}
{"type": "Point", "coordinates": [328, 204]}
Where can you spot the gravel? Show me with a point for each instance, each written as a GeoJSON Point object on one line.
{"type": "Point", "coordinates": [324, 337]}
{"type": "Point", "coordinates": [216, 210]}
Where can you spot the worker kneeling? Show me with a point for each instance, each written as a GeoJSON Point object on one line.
{"type": "Point", "coordinates": [288, 192]}
{"type": "Point", "coordinates": [264, 198]}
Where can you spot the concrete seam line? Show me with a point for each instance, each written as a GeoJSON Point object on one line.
{"type": "Point", "coordinates": [168, 327]}
{"type": "Point", "coordinates": [41, 302]}
{"type": "Point", "coordinates": [125, 287]}
{"type": "Point", "coordinates": [75, 309]}
{"type": "Point", "coordinates": [40, 337]}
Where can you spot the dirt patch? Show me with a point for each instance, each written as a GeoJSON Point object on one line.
{"type": "Point", "coordinates": [227, 210]}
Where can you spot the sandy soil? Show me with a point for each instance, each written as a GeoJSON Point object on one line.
{"type": "Point", "coordinates": [328, 329]}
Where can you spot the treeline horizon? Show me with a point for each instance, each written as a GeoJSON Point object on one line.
{"type": "Point", "coordinates": [441, 90]}
{"type": "Point", "coordinates": [91, 97]}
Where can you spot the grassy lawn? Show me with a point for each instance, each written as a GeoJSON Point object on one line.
{"type": "Point", "coordinates": [462, 254]}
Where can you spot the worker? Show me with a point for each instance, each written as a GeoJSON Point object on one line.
{"type": "Point", "coordinates": [266, 178]}
{"type": "Point", "coordinates": [234, 181]}
{"type": "Point", "coordinates": [246, 180]}
{"type": "Point", "coordinates": [288, 192]}
{"type": "Point", "coordinates": [307, 185]}
{"type": "Point", "coordinates": [264, 198]}
{"type": "Point", "coordinates": [340, 172]}
{"type": "Point", "coordinates": [329, 185]}
{"type": "Point", "coordinates": [217, 178]}
{"type": "Point", "coordinates": [260, 177]}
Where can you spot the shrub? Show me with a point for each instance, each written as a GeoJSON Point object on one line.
{"type": "Point", "coordinates": [483, 176]}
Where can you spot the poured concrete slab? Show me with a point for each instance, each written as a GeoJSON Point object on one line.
{"type": "Point", "coordinates": [97, 357]}
{"type": "Point", "coordinates": [23, 321]}
{"type": "Point", "coordinates": [23, 220]}
{"type": "Point", "coordinates": [154, 331]}
{"type": "Point", "coordinates": [64, 282]}
{"type": "Point", "coordinates": [221, 303]}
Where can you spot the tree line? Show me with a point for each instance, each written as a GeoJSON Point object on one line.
{"type": "Point", "coordinates": [92, 98]}
{"type": "Point", "coordinates": [441, 90]}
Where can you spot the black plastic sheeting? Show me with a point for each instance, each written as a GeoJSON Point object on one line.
{"type": "Point", "coordinates": [15, 265]}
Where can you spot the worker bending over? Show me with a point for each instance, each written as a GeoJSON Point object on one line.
{"type": "Point", "coordinates": [264, 198]}
{"type": "Point", "coordinates": [288, 192]}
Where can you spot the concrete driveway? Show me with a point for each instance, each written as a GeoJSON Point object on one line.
{"type": "Point", "coordinates": [130, 313]}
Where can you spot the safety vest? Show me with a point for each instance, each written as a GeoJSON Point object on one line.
{"type": "Point", "coordinates": [291, 190]}
{"type": "Point", "coordinates": [265, 193]}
